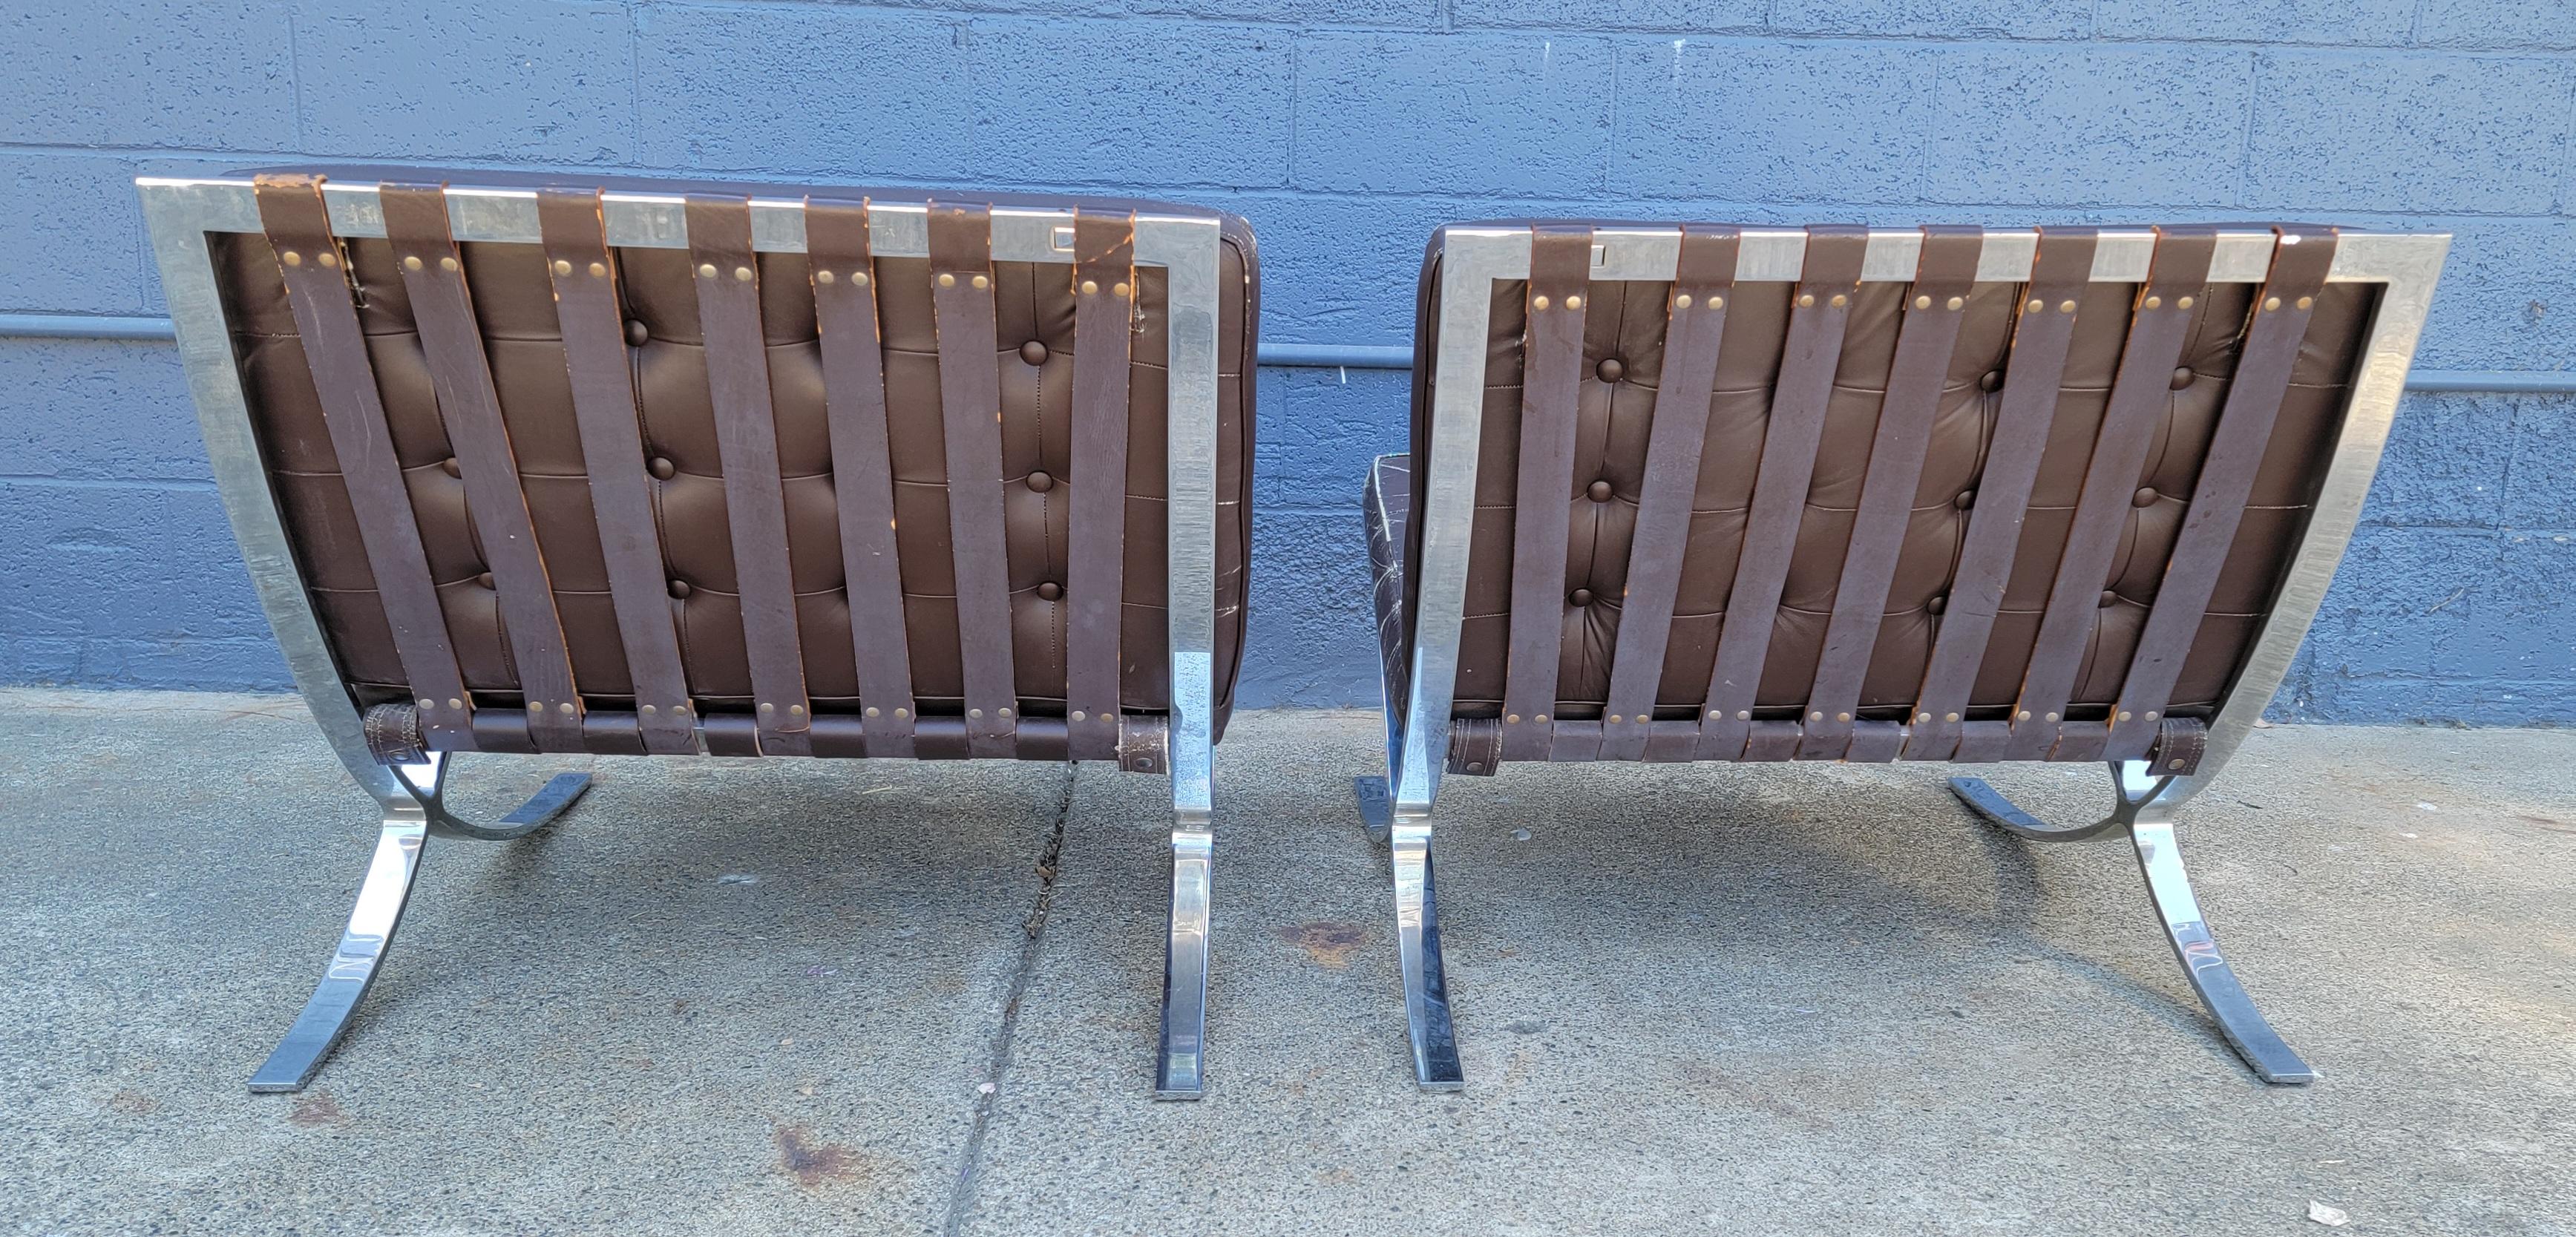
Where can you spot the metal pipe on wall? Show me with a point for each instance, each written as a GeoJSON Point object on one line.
{"type": "Point", "coordinates": [1306, 356]}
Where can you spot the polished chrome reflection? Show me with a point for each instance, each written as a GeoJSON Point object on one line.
{"type": "Point", "coordinates": [1426, 982]}
{"type": "Point", "coordinates": [381, 898]}
{"type": "Point", "coordinates": [2145, 806]}
{"type": "Point", "coordinates": [1180, 1071]}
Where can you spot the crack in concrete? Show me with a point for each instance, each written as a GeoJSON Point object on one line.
{"type": "Point", "coordinates": [961, 1196]}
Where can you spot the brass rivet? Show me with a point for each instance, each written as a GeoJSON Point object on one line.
{"type": "Point", "coordinates": [647, 710]}
{"type": "Point", "coordinates": [562, 267]}
{"type": "Point", "coordinates": [1118, 289]}
{"type": "Point", "coordinates": [2271, 303]}
{"type": "Point", "coordinates": [1744, 715]}
{"type": "Point", "coordinates": [767, 707]}
{"type": "Point", "coordinates": [2066, 307]}
{"type": "Point", "coordinates": [2154, 302]}
{"type": "Point", "coordinates": [599, 270]}
{"type": "Point", "coordinates": [1574, 302]}
{"type": "Point", "coordinates": [796, 710]}
{"type": "Point", "coordinates": [1513, 718]}
{"type": "Point", "coordinates": [2052, 717]}
{"type": "Point", "coordinates": [1614, 719]}
{"type": "Point", "coordinates": [1090, 287]}
{"type": "Point", "coordinates": [2306, 302]}
{"type": "Point", "coordinates": [411, 264]}
{"type": "Point", "coordinates": [1923, 302]}
{"type": "Point", "coordinates": [291, 258]}
{"type": "Point", "coordinates": [1714, 715]}
{"type": "Point", "coordinates": [2124, 715]}
{"type": "Point", "coordinates": [872, 711]}
{"type": "Point", "coordinates": [1006, 714]}
{"type": "Point", "coordinates": [1717, 302]}
{"type": "Point", "coordinates": [536, 706]}
{"type": "Point", "coordinates": [455, 703]}
{"type": "Point", "coordinates": [977, 714]}
{"type": "Point", "coordinates": [1818, 716]}
{"type": "Point", "coordinates": [1950, 717]}
{"type": "Point", "coordinates": [429, 704]}
{"type": "Point", "coordinates": [1840, 300]}
{"type": "Point", "coordinates": [1842, 717]}
{"type": "Point", "coordinates": [1541, 719]}
{"type": "Point", "coordinates": [2024, 715]}
{"type": "Point", "coordinates": [1924, 718]}
{"type": "Point", "coordinates": [329, 259]}
{"type": "Point", "coordinates": [903, 712]}
{"type": "Point", "coordinates": [822, 276]}
{"type": "Point", "coordinates": [1079, 715]}
{"type": "Point", "coordinates": [980, 281]}
{"type": "Point", "coordinates": [447, 264]}
{"type": "Point", "coordinates": [1806, 300]}
{"type": "Point", "coordinates": [2151, 715]}
{"type": "Point", "coordinates": [681, 707]}
{"type": "Point", "coordinates": [1538, 302]}
{"type": "Point", "coordinates": [1682, 301]}
{"type": "Point", "coordinates": [565, 708]}
{"type": "Point", "coordinates": [858, 279]}
{"type": "Point", "coordinates": [2177, 765]}
{"type": "Point", "coordinates": [1957, 301]}
{"type": "Point", "coordinates": [2182, 302]}
{"type": "Point", "coordinates": [948, 281]}
{"type": "Point", "coordinates": [706, 270]}
{"type": "Point", "coordinates": [742, 274]}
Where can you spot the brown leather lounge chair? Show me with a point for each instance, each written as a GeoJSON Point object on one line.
{"type": "Point", "coordinates": [1755, 494]}
{"type": "Point", "coordinates": [677, 469]}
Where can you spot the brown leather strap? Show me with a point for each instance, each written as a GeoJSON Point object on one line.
{"type": "Point", "coordinates": [1944, 275]}
{"type": "Point", "coordinates": [970, 402]}
{"type": "Point", "coordinates": [1703, 282]}
{"type": "Point", "coordinates": [728, 280]}
{"type": "Point", "coordinates": [1820, 307]}
{"type": "Point", "coordinates": [612, 449]}
{"type": "Point", "coordinates": [317, 287]}
{"type": "Point", "coordinates": [1104, 291]}
{"type": "Point", "coordinates": [2165, 308]}
{"type": "Point", "coordinates": [451, 342]}
{"type": "Point", "coordinates": [845, 310]}
{"type": "Point", "coordinates": [1551, 380]}
{"type": "Point", "coordinates": [2281, 311]}
{"type": "Point", "coordinates": [2033, 372]}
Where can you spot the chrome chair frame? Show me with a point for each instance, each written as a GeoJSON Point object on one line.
{"type": "Point", "coordinates": [181, 211]}
{"type": "Point", "coordinates": [1419, 687]}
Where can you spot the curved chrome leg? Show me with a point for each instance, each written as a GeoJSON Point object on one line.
{"type": "Point", "coordinates": [1426, 983]}
{"type": "Point", "coordinates": [381, 898]}
{"type": "Point", "coordinates": [1180, 1066]}
{"type": "Point", "coordinates": [1377, 807]}
{"type": "Point", "coordinates": [2146, 802]}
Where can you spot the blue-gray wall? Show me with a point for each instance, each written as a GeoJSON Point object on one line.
{"type": "Point", "coordinates": [1345, 132]}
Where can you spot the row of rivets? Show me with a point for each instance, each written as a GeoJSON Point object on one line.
{"type": "Point", "coordinates": [858, 279]}
{"type": "Point", "coordinates": [1092, 287]}
{"type": "Point", "coordinates": [677, 710]}
{"type": "Point", "coordinates": [1683, 301]}
{"type": "Point", "coordinates": [539, 706]}
{"type": "Point", "coordinates": [1925, 302]}
{"type": "Point", "coordinates": [873, 711]}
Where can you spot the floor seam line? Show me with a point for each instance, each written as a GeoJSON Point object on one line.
{"type": "Point", "coordinates": [961, 1195]}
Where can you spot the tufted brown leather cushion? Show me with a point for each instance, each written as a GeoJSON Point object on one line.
{"type": "Point", "coordinates": [515, 306]}
{"type": "Point", "coordinates": [1622, 364]}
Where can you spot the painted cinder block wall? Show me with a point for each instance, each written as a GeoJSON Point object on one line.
{"type": "Point", "coordinates": [1345, 132]}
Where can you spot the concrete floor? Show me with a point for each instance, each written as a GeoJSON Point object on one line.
{"type": "Point", "coordinates": [757, 998]}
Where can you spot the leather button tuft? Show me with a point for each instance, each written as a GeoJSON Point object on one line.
{"type": "Point", "coordinates": [1033, 352]}
{"type": "Point", "coordinates": [2182, 377]}
{"type": "Point", "coordinates": [1939, 602]}
{"type": "Point", "coordinates": [1581, 597]}
{"type": "Point", "coordinates": [484, 579]}
{"type": "Point", "coordinates": [1610, 370]}
{"type": "Point", "coordinates": [663, 468]}
{"type": "Point", "coordinates": [680, 588]}
{"type": "Point", "coordinates": [2110, 598]}
{"type": "Point", "coordinates": [1041, 482]}
{"type": "Point", "coordinates": [1965, 500]}
{"type": "Point", "coordinates": [636, 334]}
{"type": "Point", "coordinates": [1050, 590]}
{"type": "Point", "coordinates": [1992, 381]}
{"type": "Point", "coordinates": [1600, 491]}
{"type": "Point", "coordinates": [449, 467]}
{"type": "Point", "coordinates": [2145, 497]}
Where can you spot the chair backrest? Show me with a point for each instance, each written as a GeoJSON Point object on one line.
{"type": "Point", "coordinates": [1729, 493]}
{"type": "Point", "coordinates": [649, 467]}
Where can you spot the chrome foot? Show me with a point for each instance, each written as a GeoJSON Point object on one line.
{"type": "Point", "coordinates": [1377, 807]}
{"type": "Point", "coordinates": [1180, 1060]}
{"type": "Point", "coordinates": [380, 906]}
{"type": "Point", "coordinates": [2142, 809]}
{"type": "Point", "coordinates": [1426, 983]}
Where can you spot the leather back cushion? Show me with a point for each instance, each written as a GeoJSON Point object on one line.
{"type": "Point", "coordinates": [1626, 322]}
{"type": "Point", "coordinates": [515, 306]}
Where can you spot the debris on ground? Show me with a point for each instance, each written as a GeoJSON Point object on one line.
{"type": "Point", "coordinates": [2331, 1217]}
